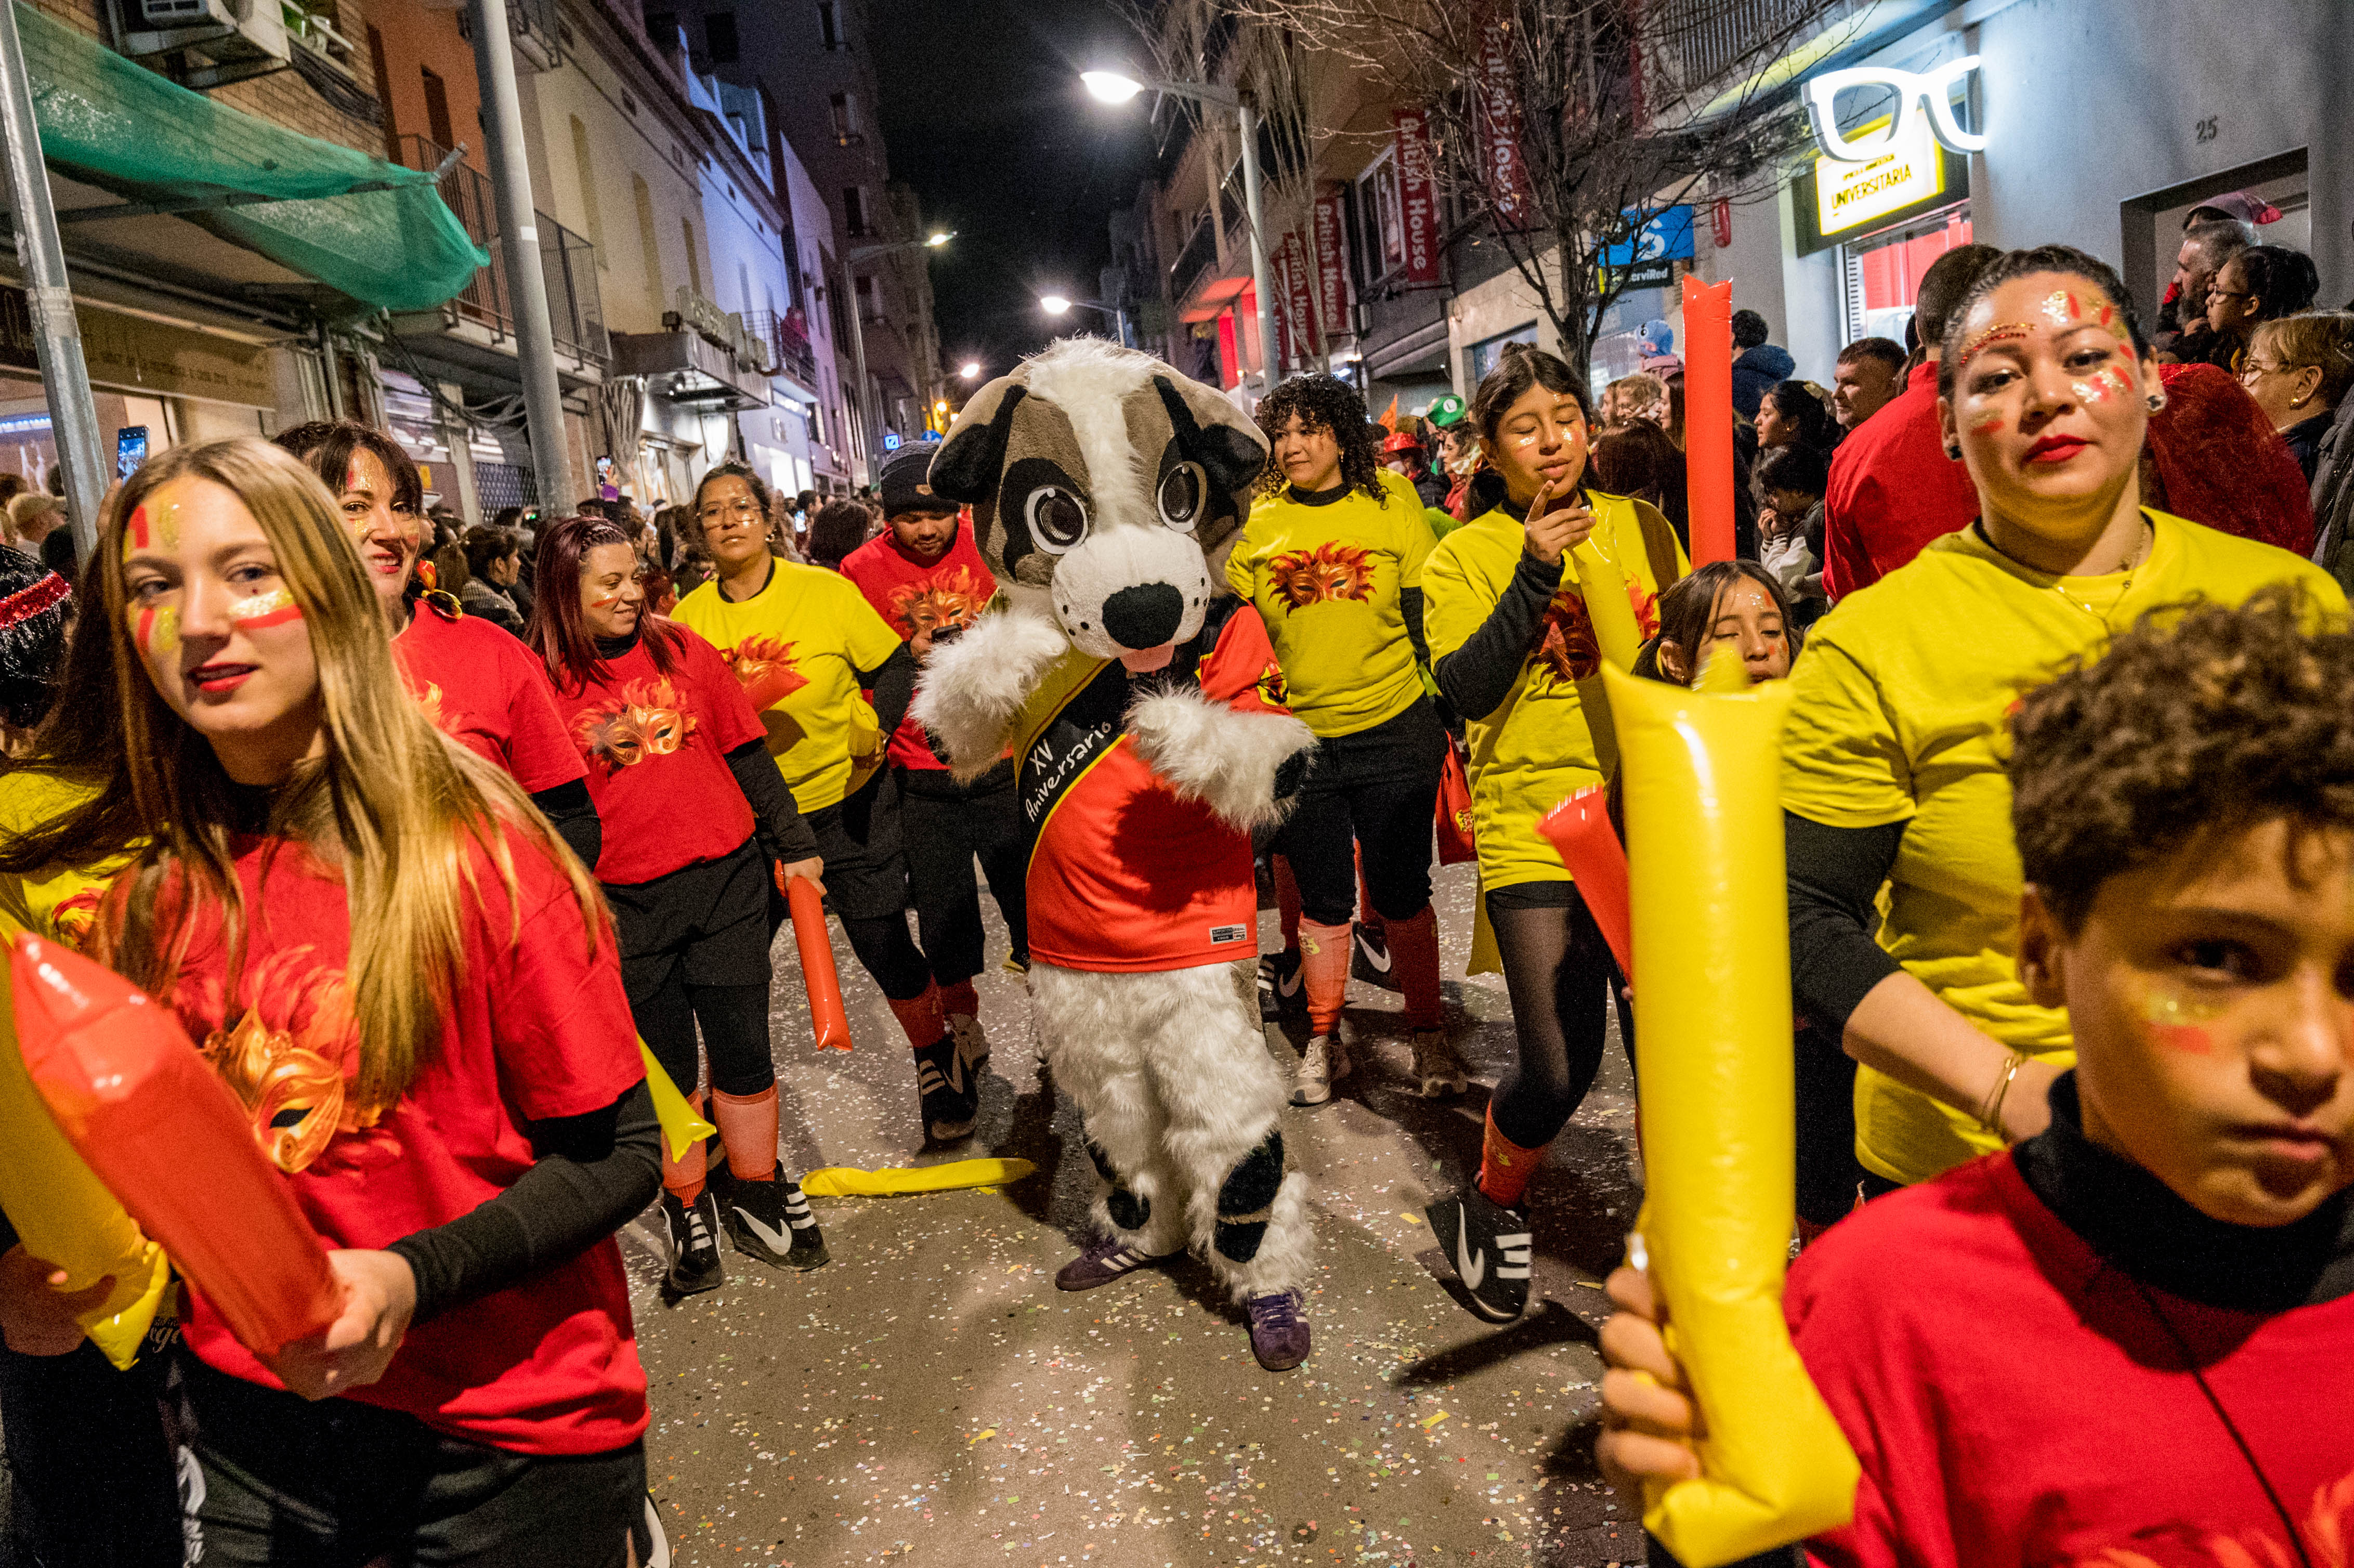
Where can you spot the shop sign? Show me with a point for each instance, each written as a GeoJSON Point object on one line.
{"type": "Point", "coordinates": [1646, 259]}
{"type": "Point", "coordinates": [720, 328]}
{"type": "Point", "coordinates": [1932, 91]}
{"type": "Point", "coordinates": [1417, 194]}
{"type": "Point", "coordinates": [1331, 264]}
{"type": "Point", "coordinates": [130, 353]}
{"type": "Point", "coordinates": [1849, 195]}
{"type": "Point", "coordinates": [1503, 168]}
{"type": "Point", "coordinates": [1298, 299]}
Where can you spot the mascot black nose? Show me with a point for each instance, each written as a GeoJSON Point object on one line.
{"type": "Point", "coordinates": [1144, 616]}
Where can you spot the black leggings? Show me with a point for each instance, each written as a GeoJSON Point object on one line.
{"type": "Point", "coordinates": [1561, 976]}
{"type": "Point", "coordinates": [1378, 788]}
{"type": "Point", "coordinates": [694, 950]}
{"type": "Point", "coordinates": [734, 1020]}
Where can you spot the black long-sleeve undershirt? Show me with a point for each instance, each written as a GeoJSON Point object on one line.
{"type": "Point", "coordinates": [1477, 676]}
{"type": "Point", "coordinates": [594, 1171]}
{"type": "Point", "coordinates": [573, 815]}
{"type": "Point", "coordinates": [784, 835]}
{"type": "Point", "coordinates": [1834, 873]}
{"type": "Point", "coordinates": [892, 681]}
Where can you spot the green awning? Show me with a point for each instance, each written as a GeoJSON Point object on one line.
{"type": "Point", "coordinates": [373, 231]}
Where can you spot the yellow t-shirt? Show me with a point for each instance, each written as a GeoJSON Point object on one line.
{"type": "Point", "coordinates": [797, 646]}
{"type": "Point", "coordinates": [59, 903]}
{"type": "Point", "coordinates": [1328, 580]}
{"type": "Point", "coordinates": [1899, 717]}
{"type": "Point", "coordinates": [1535, 749]}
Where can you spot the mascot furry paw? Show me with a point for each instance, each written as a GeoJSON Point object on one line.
{"type": "Point", "coordinates": [1145, 714]}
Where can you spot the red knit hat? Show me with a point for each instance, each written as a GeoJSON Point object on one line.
{"type": "Point", "coordinates": [2220, 463]}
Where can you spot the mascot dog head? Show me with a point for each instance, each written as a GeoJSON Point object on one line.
{"type": "Point", "coordinates": [1101, 481]}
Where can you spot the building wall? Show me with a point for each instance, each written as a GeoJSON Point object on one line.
{"type": "Point", "coordinates": [416, 39]}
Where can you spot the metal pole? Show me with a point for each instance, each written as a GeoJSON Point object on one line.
{"type": "Point", "coordinates": [867, 433]}
{"type": "Point", "coordinates": [41, 260]}
{"type": "Point", "coordinates": [543, 400]}
{"type": "Point", "coordinates": [1119, 313]}
{"type": "Point", "coordinates": [1268, 350]}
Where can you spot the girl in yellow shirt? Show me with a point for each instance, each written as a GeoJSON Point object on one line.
{"type": "Point", "coordinates": [1331, 558]}
{"type": "Point", "coordinates": [1893, 763]}
{"type": "Point", "coordinates": [1511, 639]}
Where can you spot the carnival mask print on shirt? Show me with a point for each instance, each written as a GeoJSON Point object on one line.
{"type": "Point", "coordinates": [948, 598]}
{"type": "Point", "coordinates": [645, 721]}
{"type": "Point", "coordinates": [284, 1057]}
{"type": "Point", "coordinates": [1331, 570]}
{"type": "Point", "coordinates": [765, 669]}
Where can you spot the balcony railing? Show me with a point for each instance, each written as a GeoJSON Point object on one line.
{"type": "Point", "coordinates": [1199, 255]}
{"type": "Point", "coordinates": [788, 335]}
{"type": "Point", "coordinates": [568, 261]}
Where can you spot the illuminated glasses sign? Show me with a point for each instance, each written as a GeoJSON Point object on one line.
{"type": "Point", "coordinates": [1932, 90]}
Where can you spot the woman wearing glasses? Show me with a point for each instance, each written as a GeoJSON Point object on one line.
{"type": "Point", "coordinates": [2262, 283]}
{"type": "Point", "coordinates": [2297, 370]}
{"type": "Point", "coordinates": [806, 645]}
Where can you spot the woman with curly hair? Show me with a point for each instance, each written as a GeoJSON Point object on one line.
{"type": "Point", "coordinates": [1331, 558]}
{"type": "Point", "coordinates": [1514, 644]}
{"type": "Point", "coordinates": [1893, 759]}
{"type": "Point", "coordinates": [699, 826]}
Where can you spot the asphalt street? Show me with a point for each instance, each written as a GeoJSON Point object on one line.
{"type": "Point", "coordinates": [929, 1398]}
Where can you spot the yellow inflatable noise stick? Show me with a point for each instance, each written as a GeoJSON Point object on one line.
{"type": "Point", "coordinates": [681, 1128]}
{"type": "Point", "coordinates": [1701, 780]}
{"type": "Point", "coordinates": [849, 1181]}
{"type": "Point", "coordinates": [65, 1215]}
{"type": "Point", "coordinates": [1604, 588]}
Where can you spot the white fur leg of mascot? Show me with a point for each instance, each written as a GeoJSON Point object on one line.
{"type": "Point", "coordinates": [1143, 708]}
{"type": "Point", "coordinates": [1182, 1104]}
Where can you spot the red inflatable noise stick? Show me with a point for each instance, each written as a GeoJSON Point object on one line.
{"type": "Point", "coordinates": [171, 1142]}
{"type": "Point", "coordinates": [1579, 829]}
{"type": "Point", "coordinates": [823, 981]}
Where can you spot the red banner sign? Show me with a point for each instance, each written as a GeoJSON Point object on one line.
{"type": "Point", "coordinates": [1417, 195]}
{"type": "Point", "coordinates": [1332, 266]}
{"type": "Point", "coordinates": [1300, 298]}
{"type": "Point", "coordinates": [1502, 167]}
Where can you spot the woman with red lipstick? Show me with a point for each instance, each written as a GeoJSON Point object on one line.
{"type": "Point", "coordinates": [478, 683]}
{"type": "Point", "coordinates": [699, 825]}
{"type": "Point", "coordinates": [414, 991]}
{"type": "Point", "coordinates": [1892, 761]}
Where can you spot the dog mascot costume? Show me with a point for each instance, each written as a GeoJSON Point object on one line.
{"type": "Point", "coordinates": [1144, 711]}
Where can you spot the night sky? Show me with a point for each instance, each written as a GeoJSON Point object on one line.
{"type": "Point", "coordinates": [985, 116]}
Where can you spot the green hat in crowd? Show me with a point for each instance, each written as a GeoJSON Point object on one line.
{"type": "Point", "coordinates": [1447, 411]}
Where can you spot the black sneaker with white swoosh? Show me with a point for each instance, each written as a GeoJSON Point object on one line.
{"type": "Point", "coordinates": [772, 1221]}
{"type": "Point", "coordinates": [1279, 986]}
{"type": "Point", "coordinates": [1371, 960]}
{"type": "Point", "coordinates": [1488, 1245]}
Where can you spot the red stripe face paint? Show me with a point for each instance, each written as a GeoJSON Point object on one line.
{"type": "Point", "coordinates": [156, 630]}
{"type": "Point", "coordinates": [1986, 424]}
{"type": "Point", "coordinates": [2174, 1022]}
{"type": "Point", "coordinates": [263, 611]}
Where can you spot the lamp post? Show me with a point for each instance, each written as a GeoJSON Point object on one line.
{"type": "Point", "coordinates": [870, 430]}
{"type": "Point", "coordinates": [1057, 304]}
{"type": "Point", "coordinates": [1112, 87]}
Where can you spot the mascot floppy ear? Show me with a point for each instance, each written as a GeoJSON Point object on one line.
{"type": "Point", "coordinates": [967, 465]}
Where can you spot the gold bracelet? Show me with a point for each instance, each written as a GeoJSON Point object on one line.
{"type": "Point", "coordinates": [1991, 1110]}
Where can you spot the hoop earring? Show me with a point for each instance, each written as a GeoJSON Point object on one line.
{"type": "Point", "coordinates": [2157, 400]}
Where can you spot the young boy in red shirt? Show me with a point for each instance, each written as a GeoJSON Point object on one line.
{"type": "Point", "coordinates": [2128, 1341]}
{"type": "Point", "coordinates": [925, 577]}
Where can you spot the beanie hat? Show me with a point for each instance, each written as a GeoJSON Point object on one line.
{"type": "Point", "coordinates": [905, 483]}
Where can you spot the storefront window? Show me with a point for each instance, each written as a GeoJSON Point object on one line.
{"type": "Point", "coordinates": [1880, 274]}
{"type": "Point", "coordinates": [1382, 247]}
{"type": "Point", "coordinates": [1482, 356]}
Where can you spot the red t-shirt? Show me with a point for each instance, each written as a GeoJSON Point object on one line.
{"type": "Point", "coordinates": [1123, 874]}
{"type": "Point", "coordinates": [657, 748]}
{"type": "Point", "coordinates": [912, 596]}
{"type": "Point", "coordinates": [2015, 1402]}
{"type": "Point", "coordinates": [538, 1029]}
{"type": "Point", "coordinates": [1892, 490]}
{"type": "Point", "coordinates": [486, 692]}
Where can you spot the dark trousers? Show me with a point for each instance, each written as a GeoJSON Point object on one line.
{"type": "Point", "coordinates": [338, 1484]}
{"type": "Point", "coordinates": [89, 1469]}
{"type": "Point", "coordinates": [1825, 1084]}
{"type": "Point", "coordinates": [1378, 788]}
{"type": "Point", "coordinates": [695, 950]}
{"type": "Point", "coordinates": [944, 827]}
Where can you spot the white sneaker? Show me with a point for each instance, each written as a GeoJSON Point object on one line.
{"type": "Point", "coordinates": [1439, 1071]}
{"type": "Point", "coordinates": [1323, 1064]}
{"type": "Point", "coordinates": [972, 1042]}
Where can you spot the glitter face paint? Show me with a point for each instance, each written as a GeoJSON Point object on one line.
{"type": "Point", "coordinates": [2174, 1022]}
{"type": "Point", "coordinates": [263, 611]}
{"type": "Point", "coordinates": [2060, 307]}
{"type": "Point", "coordinates": [2001, 331]}
{"type": "Point", "coordinates": [1986, 424]}
{"type": "Point", "coordinates": [156, 630]}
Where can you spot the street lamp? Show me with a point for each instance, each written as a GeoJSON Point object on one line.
{"type": "Point", "coordinates": [971, 370]}
{"type": "Point", "coordinates": [866, 422]}
{"type": "Point", "coordinates": [1057, 304]}
{"type": "Point", "coordinates": [1117, 86]}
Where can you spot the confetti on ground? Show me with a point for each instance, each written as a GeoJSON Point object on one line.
{"type": "Point", "coordinates": [930, 1399]}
